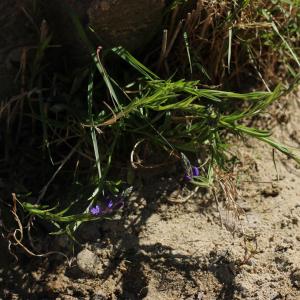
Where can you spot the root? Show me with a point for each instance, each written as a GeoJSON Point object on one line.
{"type": "Point", "coordinates": [16, 237]}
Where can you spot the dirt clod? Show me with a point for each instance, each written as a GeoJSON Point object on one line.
{"type": "Point", "coordinates": [271, 191]}
{"type": "Point", "coordinates": [88, 262]}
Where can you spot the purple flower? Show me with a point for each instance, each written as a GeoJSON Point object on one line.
{"type": "Point", "coordinates": [194, 173]}
{"type": "Point", "coordinates": [95, 211]}
{"type": "Point", "coordinates": [110, 204]}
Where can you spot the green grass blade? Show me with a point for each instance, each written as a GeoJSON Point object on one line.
{"type": "Point", "coordinates": [93, 131]}
{"type": "Point", "coordinates": [187, 47]}
{"type": "Point", "coordinates": [125, 55]}
{"type": "Point", "coordinates": [275, 28]}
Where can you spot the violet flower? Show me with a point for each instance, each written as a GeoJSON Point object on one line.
{"type": "Point", "coordinates": [194, 173]}
{"type": "Point", "coordinates": [110, 206]}
{"type": "Point", "coordinates": [95, 211]}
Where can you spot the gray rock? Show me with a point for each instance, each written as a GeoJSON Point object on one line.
{"type": "Point", "coordinates": [88, 262]}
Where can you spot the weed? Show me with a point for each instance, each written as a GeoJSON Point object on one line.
{"type": "Point", "coordinates": [88, 125]}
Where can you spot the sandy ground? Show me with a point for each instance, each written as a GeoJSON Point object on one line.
{"type": "Point", "coordinates": [162, 250]}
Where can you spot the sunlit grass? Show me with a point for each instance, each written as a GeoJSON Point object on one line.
{"type": "Point", "coordinates": [180, 105]}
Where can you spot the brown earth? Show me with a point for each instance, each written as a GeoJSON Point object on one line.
{"type": "Point", "coordinates": [160, 249]}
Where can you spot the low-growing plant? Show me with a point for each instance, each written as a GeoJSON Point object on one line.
{"type": "Point", "coordinates": [88, 125]}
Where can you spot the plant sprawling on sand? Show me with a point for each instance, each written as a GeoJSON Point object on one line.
{"type": "Point", "coordinates": [79, 126]}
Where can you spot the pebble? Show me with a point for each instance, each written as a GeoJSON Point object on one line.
{"type": "Point", "coordinates": [88, 262]}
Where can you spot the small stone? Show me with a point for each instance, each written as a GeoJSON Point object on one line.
{"type": "Point", "coordinates": [88, 262]}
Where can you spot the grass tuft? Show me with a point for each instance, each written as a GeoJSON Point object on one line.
{"type": "Point", "coordinates": [211, 74]}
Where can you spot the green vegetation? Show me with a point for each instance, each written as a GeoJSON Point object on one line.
{"type": "Point", "coordinates": [219, 63]}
